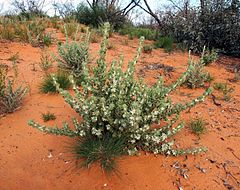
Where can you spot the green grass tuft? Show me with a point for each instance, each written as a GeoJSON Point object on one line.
{"type": "Point", "coordinates": [48, 116]}
{"type": "Point", "coordinates": [47, 85]}
{"type": "Point", "coordinates": [105, 151]}
{"type": "Point", "coordinates": [197, 126]}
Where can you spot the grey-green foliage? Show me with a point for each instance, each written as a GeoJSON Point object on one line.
{"type": "Point", "coordinates": [112, 102]}
{"type": "Point", "coordinates": [35, 31]}
{"type": "Point", "coordinates": [73, 55]}
{"type": "Point", "coordinates": [10, 97]}
{"type": "Point", "coordinates": [225, 89]}
{"type": "Point", "coordinates": [209, 56]}
{"type": "Point", "coordinates": [147, 48]}
{"type": "Point", "coordinates": [3, 76]}
{"type": "Point", "coordinates": [197, 74]}
{"type": "Point", "coordinates": [217, 25]}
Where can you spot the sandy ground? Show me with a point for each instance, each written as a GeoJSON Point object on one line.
{"type": "Point", "coordinates": [32, 160]}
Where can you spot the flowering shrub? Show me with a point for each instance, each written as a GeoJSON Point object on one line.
{"type": "Point", "coordinates": [111, 102]}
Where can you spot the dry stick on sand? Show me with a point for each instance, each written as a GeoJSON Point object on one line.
{"type": "Point", "coordinates": [232, 151]}
{"type": "Point", "coordinates": [228, 173]}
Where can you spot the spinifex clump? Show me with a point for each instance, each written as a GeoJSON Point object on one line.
{"type": "Point", "coordinates": [113, 104]}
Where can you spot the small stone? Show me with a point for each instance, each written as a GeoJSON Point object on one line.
{"type": "Point", "coordinates": [50, 155]}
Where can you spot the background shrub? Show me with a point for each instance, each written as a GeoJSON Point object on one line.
{"type": "Point", "coordinates": [96, 15]}
{"type": "Point", "coordinates": [137, 32]}
{"type": "Point", "coordinates": [164, 42]}
{"type": "Point", "coordinates": [217, 26]}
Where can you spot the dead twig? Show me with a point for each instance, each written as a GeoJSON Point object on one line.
{"type": "Point", "coordinates": [228, 173]}
{"type": "Point", "coordinates": [203, 170]}
{"type": "Point", "coordinates": [214, 100]}
{"type": "Point", "coordinates": [181, 169]}
{"type": "Point", "coordinates": [232, 151]}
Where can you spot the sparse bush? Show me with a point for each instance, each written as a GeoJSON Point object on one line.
{"type": "Point", "coordinates": [209, 56]}
{"type": "Point", "coordinates": [164, 42]}
{"type": "Point", "coordinates": [197, 126]}
{"type": "Point", "coordinates": [182, 47]}
{"type": "Point", "coordinates": [11, 29]}
{"type": "Point", "coordinates": [29, 9]}
{"type": "Point", "coordinates": [14, 58]}
{"type": "Point", "coordinates": [7, 31]}
{"type": "Point", "coordinates": [10, 98]}
{"type": "Point", "coordinates": [225, 89]}
{"type": "Point", "coordinates": [3, 76]}
{"type": "Point", "coordinates": [95, 37]}
{"type": "Point", "coordinates": [147, 49]}
{"type": "Point", "coordinates": [48, 116]}
{"type": "Point", "coordinates": [14, 29]}
{"type": "Point", "coordinates": [197, 75]}
{"type": "Point", "coordinates": [111, 46]}
{"type": "Point", "coordinates": [35, 31]}
{"type": "Point", "coordinates": [47, 39]}
{"type": "Point", "coordinates": [236, 74]}
{"type": "Point", "coordinates": [47, 85]}
{"type": "Point", "coordinates": [46, 61]}
{"type": "Point", "coordinates": [93, 17]}
{"type": "Point", "coordinates": [70, 29]}
{"type": "Point", "coordinates": [99, 13]}
{"type": "Point", "coordinates": [137, 32]}
{"type": "Point", "coordinates": [73, 55]}
{"type": "Point", "coordinates": [113, 104]}
{"type": "Point", "coordinates": [130, 36]}
{"type": "Point", "coordinates": [83, 30]}
{"type": "Point", "coordinates": [125, 42]}
{"type": "Point", "coordinates": [55, 23]}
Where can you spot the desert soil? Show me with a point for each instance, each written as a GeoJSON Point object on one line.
{"type": "Point", "coordinates": [30, 159]}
